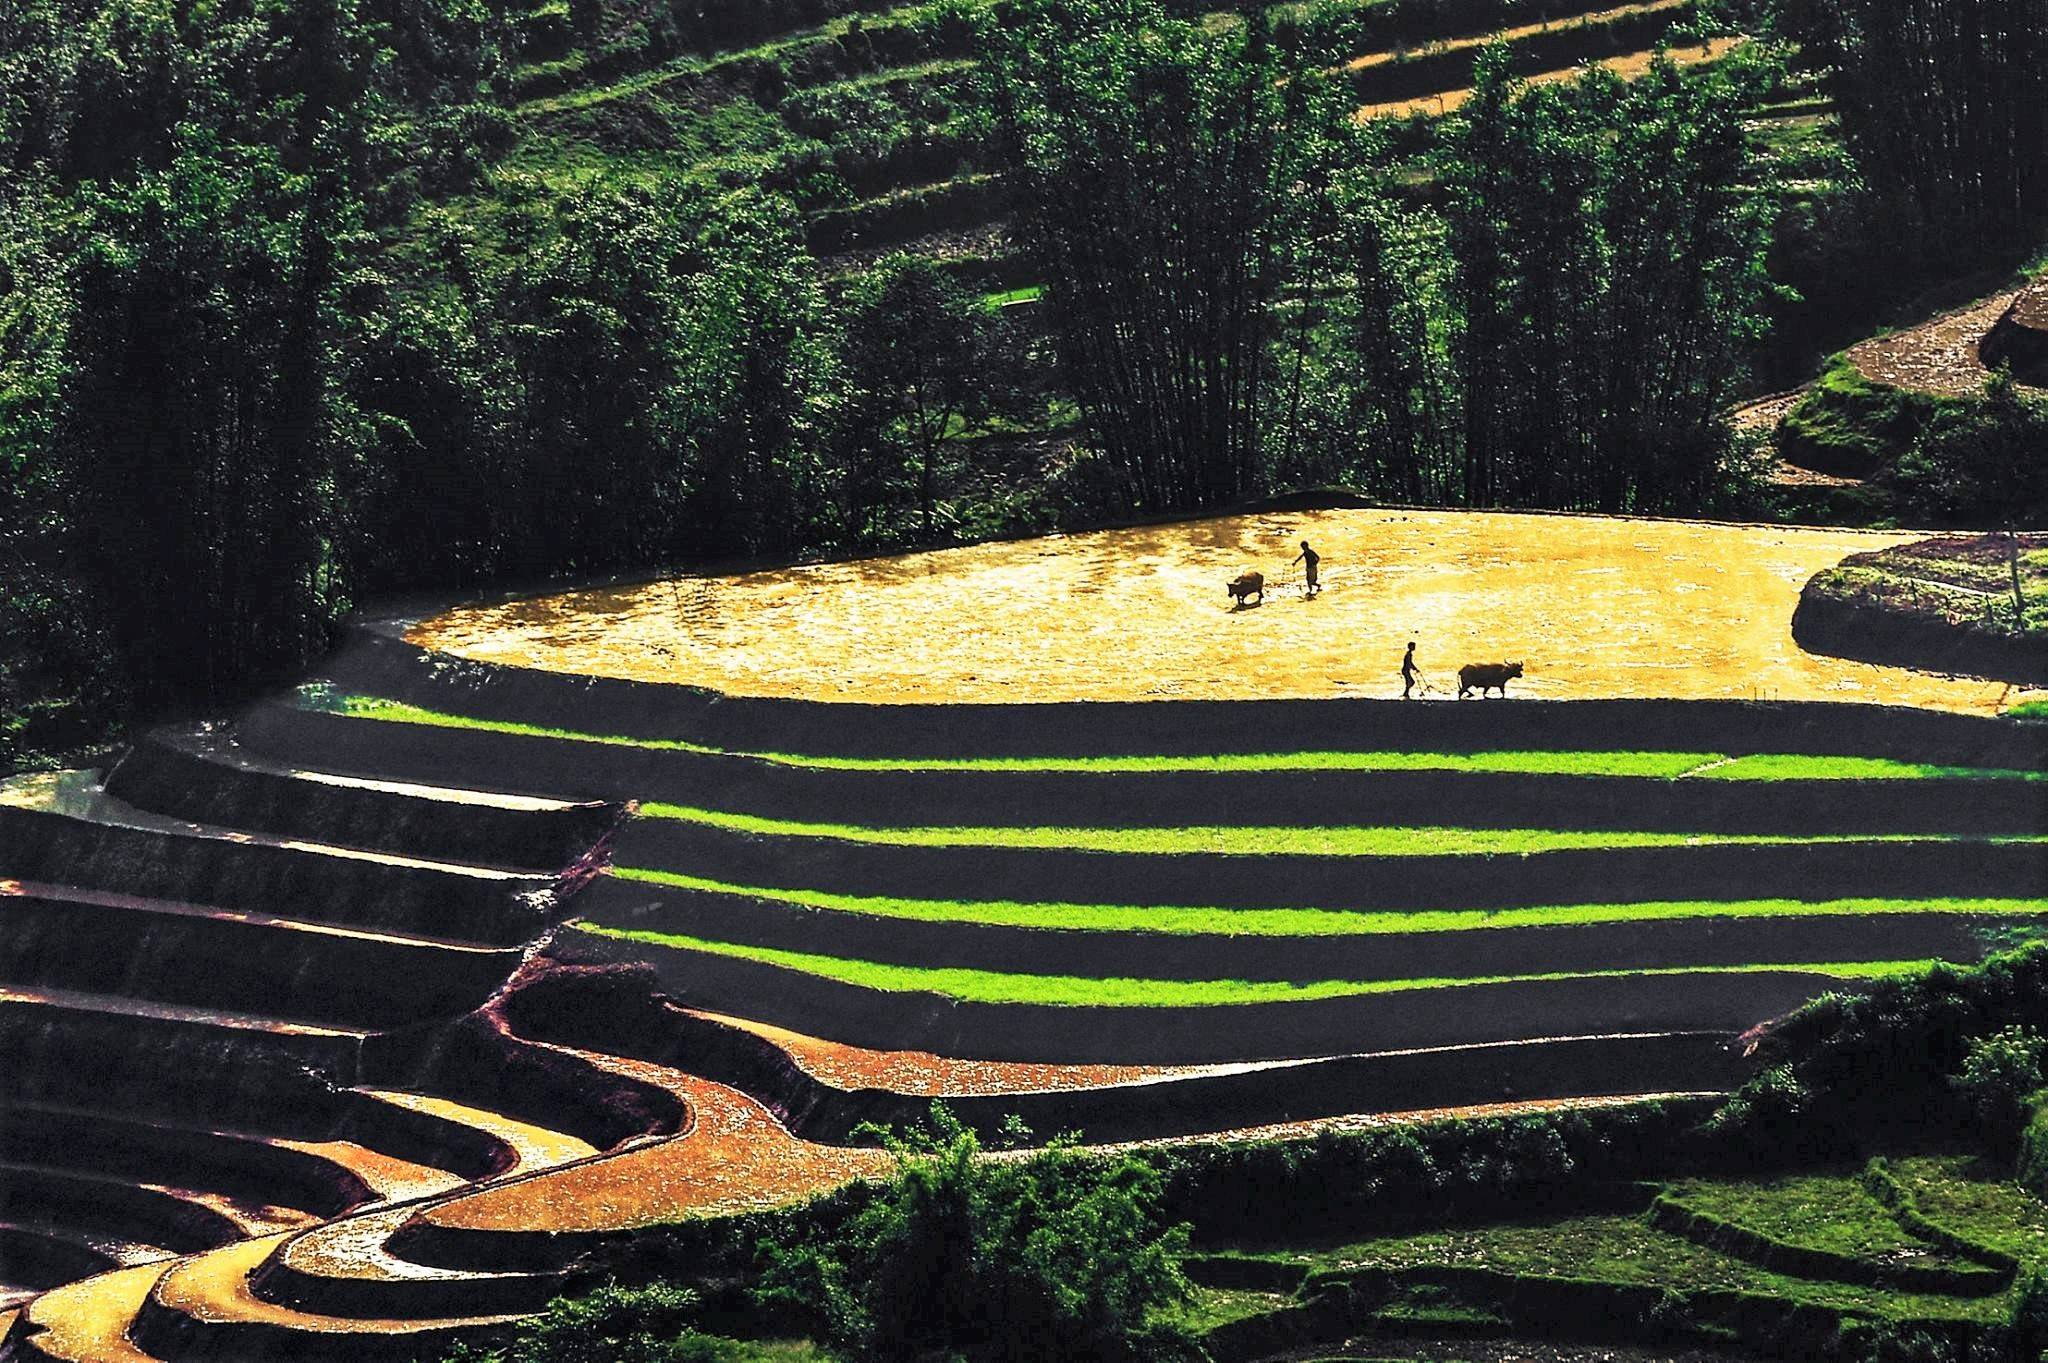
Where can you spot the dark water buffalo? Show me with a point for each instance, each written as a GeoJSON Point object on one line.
{"type": "Point", "coordinates": [1484, 677]}
{"type": "Point", "coordinates": [1247, 585]}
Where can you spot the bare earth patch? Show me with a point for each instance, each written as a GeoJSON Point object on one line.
{"type": "Point", "coordinates": [1939, 356]}
{"type": "Point", "coordinates": [941, 1076]}
{"type": "Point", "coordinates": [1594, 607]}
{"type": "Point", "coordinates": [736, 1157]}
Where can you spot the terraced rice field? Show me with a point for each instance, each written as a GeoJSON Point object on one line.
{"type": "Point", "coordinates": [1790, 1265]}
{"type": "Point", "coordinates": [317, 1016]}
{"type": "Point", "coordinates": [880, 97]}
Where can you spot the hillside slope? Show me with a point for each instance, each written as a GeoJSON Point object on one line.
{"type": "Point", "coordinates": [865, 116]}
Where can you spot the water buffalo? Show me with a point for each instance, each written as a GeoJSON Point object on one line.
{"type": "Point", "coordinates": [1246, 585]}
{"type": "Point", "coordinates": [1483, 677]}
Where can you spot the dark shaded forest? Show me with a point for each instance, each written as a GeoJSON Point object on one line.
{"type": "Point", "coordinates": [246, 385]}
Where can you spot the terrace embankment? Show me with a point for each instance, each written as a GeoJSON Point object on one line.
{"type": "Point", "coordinates": [607, 1010]}
{"type": "Point", "coordinates": [1959, 603]}
{"type": "Point", "coordinates": [1324, 949]}
{"type": "Point", "coordinates": [251, 999]}
{"type": "Point", "coordinates": [388, 1000]}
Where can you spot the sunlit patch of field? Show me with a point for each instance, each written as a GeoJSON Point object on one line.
{"type": "Point", "coordinates": [1074, 991]}
{"type": "Point", "coordinates": [1593, 606]}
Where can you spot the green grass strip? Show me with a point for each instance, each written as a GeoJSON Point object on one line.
{"type": "Point", "coordinates": [1028, 293]}
{"type": "Point", "coordinates": [1803, 767]}
{"type": "Point", "coordinates": [1073, 991]}
{"type": "Point", "coordinates": [1658, 765]}
{"type": "Point", "coordinates": [1317, 922]}
{"type": "Point", "coordinates": [1226, 840]}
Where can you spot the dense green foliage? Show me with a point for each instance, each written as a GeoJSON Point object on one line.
{"type": "Point", "coordinates": [1979, 462]}
{"type": "Point", "coordinates": [1055, 1255]}
{"type": "Point", "coordinates": [1944, 104]}
{"type": "Point", "coordinates": [1999, 1076]}
{"type": "Point", "coordinates": [236, 399]}
{"type": "Point", "coordinates": [1609, 274]}
{"type": "Point", "coordinates": [613, 1324]}
{"type": "Point", "coordinates": [310, 303]}
{"type": "Point", "coordinates": [1563, 331]}
{"type": "Point", "coordinates": [1157, 172]}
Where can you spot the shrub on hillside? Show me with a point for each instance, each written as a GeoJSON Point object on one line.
{"type": "Point", "coordinates": [1999, 1077]}
{"type": "Point", "coordinates": [1052, 1255]}
{"type": "Point", "coordinates": [1850, 426]}
{"type": "Point", "coordinates": [614, 1325]}
{"type": "Point", "coordinates": [2033, 1170]}
{"type": "Point", "coordinates": [2029, 1320]}
{"type": "Point", "coordinates": [1879, 1061]}
{"type": "Point", "coordinates": [1345, 1182]}
{"type": "Point", "coordinates": [1979, 461]}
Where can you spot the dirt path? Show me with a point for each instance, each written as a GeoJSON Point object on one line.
{"type": "Point", "coordinates": [1595, 607]}
{"type": "Point", "coordinates": [1938, 356]}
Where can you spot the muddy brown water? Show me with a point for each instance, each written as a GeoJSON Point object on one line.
{"type": "Point", "coordinates": [1593, 607]}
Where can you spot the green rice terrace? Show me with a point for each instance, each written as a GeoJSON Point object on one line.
{"type": "Point", "coordinates": [370, 1019]}
{"type": "Point", "coordinates": [866, 114]}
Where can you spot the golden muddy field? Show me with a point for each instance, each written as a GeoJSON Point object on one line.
{"type": "Point", "coordinates": [1593, 606]}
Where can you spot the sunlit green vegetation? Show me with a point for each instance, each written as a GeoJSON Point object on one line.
{"type": "Point", "coordinates": [1647, 765]}
{"type": "Point", "coordinates": [1227, 840]}
{"type": "Point", "coordinates": [1827, 1211]}
{"type": "Point", "coordinates": [1319, 922]}
{"type": "Point", "coordinates": [1627, 1249]}
{"type": "Point", "coordinates": [986, 986]}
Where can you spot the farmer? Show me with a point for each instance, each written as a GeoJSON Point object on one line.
{"type": "Point", "coordinates": [1308, 558]}
{"type": "Point", "coordinates": [1408, 672]}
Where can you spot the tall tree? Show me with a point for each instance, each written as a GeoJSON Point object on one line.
{"type": "Point", "coordinates": [203, 410]}
{"type": "Point", "coordinates": [1945, 106]}
{"type": "Point", "coordinates": [1152, 166]}
{"type": "Point", "coordinates": [1478, 177]}
{"type": "Point", "coordinates": [1400, 403]}
{"type": "Point", "coordinates": [921, 354]}
{"type": "Point", "coordinates": [1609, 271]}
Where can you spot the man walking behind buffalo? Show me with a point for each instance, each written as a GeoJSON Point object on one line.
{"type": "Point", "coordinates": [1308, 558]}
{"type": "Point", "coordinates": [1408, 672]}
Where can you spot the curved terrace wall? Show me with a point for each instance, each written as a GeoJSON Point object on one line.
{"type": "Point", "coordinates": [532, 763]}
{"type": "Point", "coordinates": [236, 874]}
{"type": "Point", "coordinates": [212, 782]}
{"type": "Point", "coordinates": [377, 661]}
{"type": "Point", "coordinates": [1394, 1020]}
{"type": "Point", "coordinates": [1871, 633]}
{"type": "Point", "coordinates": [209, 960]}
{"type": "Point", "coordinates": [613, 1011]}
{"type": "Point", "coordinates": [1824, 870]}
{"type": "Point", "coordinates": [952, 944]}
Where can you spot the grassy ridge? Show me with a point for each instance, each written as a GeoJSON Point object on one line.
{"type": "Point", "coordinates": [1830, 1210]}
{"type": "Point", "coordinates": [1626, 1249]}
{"type": "Point", "coordinates": [1810, 1210]}
{"type": "Point", "coordinates": [1317, 922]}
{"type": "Point", "coordinates": [1072, 991]}
{"type": "Point", "coordinates": [1252, 841]}
{"type": "Point", "coordinates": [1655, 765]}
